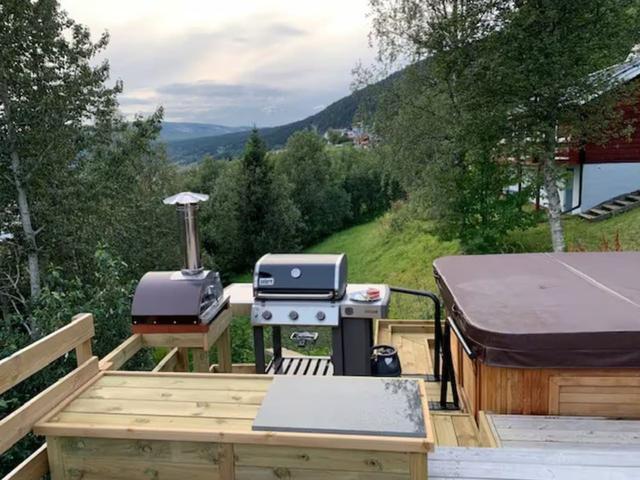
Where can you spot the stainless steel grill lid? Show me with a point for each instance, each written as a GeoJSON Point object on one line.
{"type": "Point", "coordinates": [300, 277]}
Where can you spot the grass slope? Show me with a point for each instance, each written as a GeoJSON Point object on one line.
{"type": "Point", "coordinates": [583, 235]}
{"type": "Point", "coordinates": [383, 252]}
{"type": "Point", "coordinates": [378, 252]}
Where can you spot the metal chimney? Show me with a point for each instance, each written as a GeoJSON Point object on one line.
{"type": "Point", "coordinates": [187, 208]}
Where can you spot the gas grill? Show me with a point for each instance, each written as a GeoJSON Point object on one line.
{"type": "Point", "coordinates": [311, 291]}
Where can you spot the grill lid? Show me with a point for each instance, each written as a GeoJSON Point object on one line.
{"type": "Point", "coordinates": [300, 276]}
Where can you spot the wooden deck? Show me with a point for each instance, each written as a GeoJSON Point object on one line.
{"type": "Point", "coordinates": [581, 433]}
{"type": "Point", "coordinates": [414, 341]}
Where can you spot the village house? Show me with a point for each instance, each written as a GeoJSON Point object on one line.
{"type": "Point", "coordinates": [605, 176]}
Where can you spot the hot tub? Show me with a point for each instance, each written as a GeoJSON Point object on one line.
{"type": "Point", "coordinates": [548, 333]}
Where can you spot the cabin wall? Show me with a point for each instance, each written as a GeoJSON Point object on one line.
{"type": "Point", "coordinates": [603, 181]}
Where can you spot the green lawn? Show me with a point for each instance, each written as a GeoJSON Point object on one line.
{"type": "Point", "coordinates": [580, 234]}
{"type": "Point", "coordinates": [378, 252]}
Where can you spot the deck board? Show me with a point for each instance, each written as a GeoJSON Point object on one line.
{"type": "Point", "coordinates": [531, 464]}
{"type": "Point", "coordinates": [413, 340]}
{"type": "Point", "coordinates": [588, 433]}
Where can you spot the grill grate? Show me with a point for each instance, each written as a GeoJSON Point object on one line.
{"type": "Point", "coordinates": [320, 366]}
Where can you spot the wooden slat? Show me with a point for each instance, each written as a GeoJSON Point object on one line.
{"type": "Point", "coordinates": [24, 363]}
{"type": "Point", "coordinates": [240, 297]}
{"type": "Point", "coordinates": [248, 368]}
{"type": "Point", "coordinates": [20, 422]}
{"type": "Point", "coordinates": [488, 435]}
{"type": "Point", "coordinates": [248, 397]}
{"type": "Point", "coordinates": [170, 381]}
{"type": "Point", "coordinates": [223, 346]}
{"type": "Point", "coordinates": [217, 328]}
{"type": "Point", "coordinates": [56, 460]}
{"type": "Point", "coordinates": [33, 468]}
{"type": "Point", "coordinates": [514, 431]}
{"type": "Point", "coordinates": [530, 464]}
{"type": "Point", "coordinates": [183, 340]}
{"type": "Point", "coordinates": [200, 359]}
{"type": "Point", "coordinates": [182, 360]}
{"type": "Point", "coordinates": [83, 352]}
{"type": "Point", "coordinates": [227, 462]}
{"type": "Point", "coordinates": [168, 362]}
{"type": "Point", "coordinates": [91, 421]}
{"type": "Point", "coordinates": [417, 466]}
{"type": "Point", "coordinates": [132, 468]}
{"type": "Point", "coordinates": [121, 354]}
{"type": "Point", "coordinates": [270, 473]}
{"type": "Point", "coordinates": [444, 431]}
{"type": "Point", "coordinates": [466, 430]}
{"type": "Point", "coordinates": [148, 450]}
{"type": "Point", "coordinates": [164, 407]}
{"type": "Point", "coordinates": [319, 458]}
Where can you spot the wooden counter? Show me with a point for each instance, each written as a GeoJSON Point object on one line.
{"type": "Point", "coordinates": [175, 425]}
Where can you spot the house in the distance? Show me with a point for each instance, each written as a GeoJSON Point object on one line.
{"type": "Point", "coordinates": [598, 174]}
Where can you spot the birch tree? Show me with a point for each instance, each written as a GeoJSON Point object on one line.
{"type": "Point", "coordinates": [523, 69]}
{"type": "Point", "coordinates": [49, 89]}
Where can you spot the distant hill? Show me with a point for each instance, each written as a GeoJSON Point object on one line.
{"type": "Point", "coordinates": [339, 114]}
{"type": "Point", "coordinates": [173, 131]}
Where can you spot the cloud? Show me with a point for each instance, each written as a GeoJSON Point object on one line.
{"type": "Point", "coordinates": [233, 63]}
{"type": "Point", "coordinates": [285, 30]}
{"type": "Point", "coordinates": [208, 89]}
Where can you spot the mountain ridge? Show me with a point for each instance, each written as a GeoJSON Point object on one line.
{"type": "Point", "coordinates": [176, 131]}
{"type": "Point", "coordinates": [339, 114]}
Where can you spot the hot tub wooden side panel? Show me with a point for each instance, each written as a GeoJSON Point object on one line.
{"type": "Point", "coordinates": [591, 392]}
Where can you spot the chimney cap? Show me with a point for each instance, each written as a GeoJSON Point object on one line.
{"type": "Point", "coordinates": [185, 198]}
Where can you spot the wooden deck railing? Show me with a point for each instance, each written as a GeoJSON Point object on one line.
{"type": "Point", "coordinates": [21, 365]}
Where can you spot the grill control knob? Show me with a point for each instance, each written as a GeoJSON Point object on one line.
{"type": "Point", "coordinates": [293, 315]}
{"type": "Point", "coordinates": [267, 315]}
{"type": "Point", "coordinates": [321, 316]}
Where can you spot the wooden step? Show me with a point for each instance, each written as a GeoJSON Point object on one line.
{"type": "Point", "coordinates": [598, 211]}
{"type": "Point", "coordinates": [586, 216]}
{"type": "Point", "coordinates": [624, 203]}
{"type": "Point", "coordinates": [611, 206]}
{"type": "Point", "coordinates": [635, 198]}
{"type": "Point", "coordinates": [531, 463]}
{"type": "Point", "coordinates": [567, 432]}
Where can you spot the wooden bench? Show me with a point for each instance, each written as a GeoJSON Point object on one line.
{"type": "Point", "coordinates": [531, 464]}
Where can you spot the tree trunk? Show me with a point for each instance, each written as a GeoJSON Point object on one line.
{"type": "Point", "coordinates": [27, 227]}
{"type": "Point", "coordinates": [554, 207]}
{"type": "Point", "coordinates": [23, 202]}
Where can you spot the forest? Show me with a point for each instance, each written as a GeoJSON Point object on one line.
{"type": "Point", "coordinates": [481, 96]}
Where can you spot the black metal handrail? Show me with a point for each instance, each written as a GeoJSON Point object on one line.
{"type": "Point", "coordinates": [437, 319]}
{"type": "Point", "coordinates": [442, 347]}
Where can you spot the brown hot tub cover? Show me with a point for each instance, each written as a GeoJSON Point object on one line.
{"type": "Point", "coordinates": [546, 310]}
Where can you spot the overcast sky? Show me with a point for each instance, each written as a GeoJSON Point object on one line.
{"type": "Point", "coordinates": [231, 62]}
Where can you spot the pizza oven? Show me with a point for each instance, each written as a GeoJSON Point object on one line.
{"type": "Point", "coordinates": [191, 297]}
